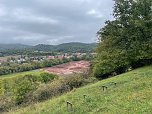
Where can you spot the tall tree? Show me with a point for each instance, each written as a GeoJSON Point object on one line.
{"type": "Point", "coordinates": [126, 40]}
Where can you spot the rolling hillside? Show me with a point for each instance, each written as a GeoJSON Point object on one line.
{"type": "Point", "coordinates": [20, 74]}
{"type": "Point", "coordinates": [4, 47]}
{"type": "Point", "coordinates": [132, 94]}
{"type": "Point", "coordinates": [65, 47]}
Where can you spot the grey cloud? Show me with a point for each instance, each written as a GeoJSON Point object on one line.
{"type": "Point", "coordinates": [52, 21]}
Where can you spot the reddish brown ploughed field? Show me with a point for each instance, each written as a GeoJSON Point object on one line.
{"type": "Point", "coordinates": [69, 68]}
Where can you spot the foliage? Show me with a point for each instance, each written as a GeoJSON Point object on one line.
{"type": "Point", "coordinates": [46, 77]}
{"type": "Point", "coordinates": [125, 41]}
{"type": "Point", "coordinates": [23, 87]}
{"type": "Point", "coordinates": [9, 68]}
{"type": "Point", "coordinates": [57, 87]}
{"type": "Point", "coordinates": [131, 95]}
{"type": "Point", "coordinates": [14, 90]}
{"type": "Point", "coordinates": [30, 88]}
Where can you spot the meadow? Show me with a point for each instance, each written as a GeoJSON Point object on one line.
{"type": "Point", "coordinates": [15, 75]}
{"type": "Point", "coordinates": [128, 93]}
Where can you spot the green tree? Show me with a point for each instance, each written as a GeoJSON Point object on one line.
{"type": "Point", "coordinates": [126, 40]}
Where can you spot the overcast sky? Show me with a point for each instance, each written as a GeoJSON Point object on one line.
{"type": "Point", "coordinates": [52, 21]}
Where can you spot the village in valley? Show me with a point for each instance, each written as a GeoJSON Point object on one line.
{"type": "Point", "coordinates": [24, 58]}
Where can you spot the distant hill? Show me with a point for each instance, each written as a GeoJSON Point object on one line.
{"type": "Point", "coordinates": [65, 47]}
{"type": "Point", "coordinates": [43, 47]}
{"type": "Point", "coordinates": [76, 46]}
{"type": "Point", "coordinates": [4, 47]}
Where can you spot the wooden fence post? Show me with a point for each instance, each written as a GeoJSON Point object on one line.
{"type": "Point", "coordinates": [69, 106]}
{"type": "Point", "coordinates": [104, 87]}
{"type": "Point", "coordinates": [84, 96]}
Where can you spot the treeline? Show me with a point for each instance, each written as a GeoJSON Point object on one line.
{"type": "Point", "coordinates": [126, 42]}
{"type": "Point", "coordinates": [26, 52]}
{"type": "Point", "coordinates": [9, 68]}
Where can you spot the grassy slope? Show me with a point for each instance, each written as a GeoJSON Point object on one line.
{"type": "Point", "coordinates": [132, 95]}
{"type": "Point", "coordinates": [33, 72]}
{"type": "Point", "coordinates": [10, 78]}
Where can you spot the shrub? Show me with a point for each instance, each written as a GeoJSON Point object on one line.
{"type": "Point", "coordinates": [74, 81]}
{"type": "Point", "coordinates": [29, 89]}
{"type": "Point", "coordinates": [46, 77]}
{"type": "Point", "coordinates": [57, 87]}
{"type": "Point", "coordinates": [5, 103]}
{"type": "Point", "coordinates": [23, 86]}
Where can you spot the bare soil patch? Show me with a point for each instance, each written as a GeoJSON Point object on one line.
{"type": "Point", "coordinates": [69, 68]}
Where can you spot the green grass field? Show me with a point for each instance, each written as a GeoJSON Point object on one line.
{"type": "Point", "coordinates": [131, 95]}
{"type": "Point", "coordinates": [13, 75]}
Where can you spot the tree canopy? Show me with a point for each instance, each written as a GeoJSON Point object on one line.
{"type": "Point", "coordinates": [125, 41]}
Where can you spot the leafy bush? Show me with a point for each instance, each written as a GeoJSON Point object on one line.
{"type": "Point", "coordinates": [23, 87]}
{"type": "Point", "coordinates": [28, 84]}
{"type": "Point", "coordinates": [74, 81]}
{"type": "Point", "coordinates": [46, 77]}
{"type": "Point", "coordinates": [30, 89]}
{"type": "Point", "coordinates": [57, 87]}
